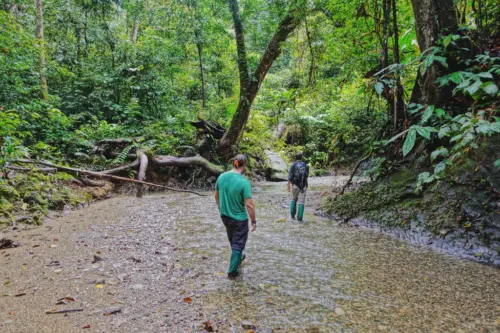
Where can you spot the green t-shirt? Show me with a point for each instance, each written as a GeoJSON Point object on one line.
{"type": "Point", "coordinates": [233, 189]}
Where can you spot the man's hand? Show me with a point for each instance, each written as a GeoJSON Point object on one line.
{"type": "Point", "coordinates": [288, 186]}
{"type": "Point", "coordinates": [254, 226]}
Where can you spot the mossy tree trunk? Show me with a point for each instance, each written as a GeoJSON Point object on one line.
{"type": "Point", "coordinates": [432, 17]}
{"type": "Point", "coordinates": [250, 84]}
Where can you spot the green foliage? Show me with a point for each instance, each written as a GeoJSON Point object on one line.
{"type": "Point", "coordinates": [475, 81]}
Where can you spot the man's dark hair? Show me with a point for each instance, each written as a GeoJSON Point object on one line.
{"type": "Point", "coordinates": [298, 156]}
{"type": "Point", "coordinates": [239, 161]}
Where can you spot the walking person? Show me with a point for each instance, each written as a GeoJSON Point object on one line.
{"type": "Point", "coordinates": [233, 196]}
{"type": "Point", "coordinates": [297, 184]}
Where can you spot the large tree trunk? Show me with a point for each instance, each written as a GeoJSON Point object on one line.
{"type": "Point", "coordinates": [311, 66]}
{"type": "Point", "coordinates": [41, 52]}
{"type": "Point", "coordinates": [431, 18]}
{"type": "Point", "coordinates": [399, 105]}
{"type": "Point", "coordinates": [135, 30]}
{"type": "Point", "coordinates": [249, 86]}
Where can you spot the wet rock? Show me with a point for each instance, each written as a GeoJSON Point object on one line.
{"type": "Point", "coordinates": [444, 232]}
{"type": "Point", "coordinates": [7, 243]}
{"type": "Point", "coordinates": [137, 286]}
{"type": "Point", "coordinates": [112, 310]}
{"type": "Point", "coordinates": [339, 312]}
{"type": "Point", "coordinates": [277, 168]}
{"type": "Point", "coordinates": [471, 211]}
{"type": "Point", "coordinates": [96, 259]}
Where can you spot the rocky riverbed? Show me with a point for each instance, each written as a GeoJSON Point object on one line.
{"type": "Point", "coordinates": [157, 264]}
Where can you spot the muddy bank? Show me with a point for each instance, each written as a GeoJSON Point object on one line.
{"type": "Point", "coordinates": [461, 218]}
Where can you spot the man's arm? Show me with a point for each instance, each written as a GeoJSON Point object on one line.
{"type": "Point", "coordinates": [251, 212]}
{"type": "Point", "coordinates": [290, 176]}
{"type": "Point", "coordinates": [217, 199]}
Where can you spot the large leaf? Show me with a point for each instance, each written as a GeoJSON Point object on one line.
{"type": "Point", "coordinates": [425, 131]}
{"type": "Point", "coordinates": [442, 61]}
{"type": "Point", "coordinates": [427, 113]}
{"type": "Point", "coordinates": [444, 132]}
{"type": "Point", "coordinates": [379, 87]}
{"type": "Point", "coordinates": [472, 89]}
{"type": "Point", "coordinates": [409, 142]}
{"type": "Point", "coordinates": [439, 168]}
{"type": "Point", "coordinates": [464, 84]}
{"type": "Point", "coordinates": [456, 77]}
{"type": "Point", "coordinates": [447, 40]}
{"type": "Point", "coordinates": [439, 152]}
{"type": "Point", "coordinates": [485, 75]}
{"type": "Point", "coordinates": [490, 88]}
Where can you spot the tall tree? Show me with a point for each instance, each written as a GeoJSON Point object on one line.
{"type": "Point", "coordinates": [135, 28]}
{"type": "Point", "coordinates": [41, 51]}
{"type": "Point", "coordinates": [250, 84]}
{"type": "Point", "coordinates": [311, 66]}
{"type": "Point", "coordinates": [432, 17]}
{"type": "Point", "coordinates": [399, 105]}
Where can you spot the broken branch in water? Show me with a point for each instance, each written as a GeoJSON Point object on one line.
{"type": "Point", "coordinates": [102, 175]}
{"type": "Point", "coordinates": [63, 311]}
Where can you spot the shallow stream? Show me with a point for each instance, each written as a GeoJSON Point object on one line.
{"type": "Point", "coordinates": [164, 259]}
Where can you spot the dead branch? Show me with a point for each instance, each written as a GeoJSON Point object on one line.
{"type": "Point", "coordinates": [185, 162]}
{"type": "Point", "coordinates": [352, 175]}
{"type": "Point", "coordinates": [102, 175]}
{"type": "Point", "coordinates": [63, 311]}
{"type": "Point", "coordinates": [122, 168]}
{"type": "Point", "coordinates": [45, 170]}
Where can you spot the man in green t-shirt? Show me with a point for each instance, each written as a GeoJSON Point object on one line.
{"type": "Point", "coordinates": [233, 196]}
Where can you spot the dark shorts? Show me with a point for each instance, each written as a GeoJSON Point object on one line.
{"type": "Point", "coordinates": [237, 232]}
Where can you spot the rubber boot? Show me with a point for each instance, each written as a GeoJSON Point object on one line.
{"type": "Point", "coordinates": [300, 213]}
{"type": "Point", "coordinates": [293, 209]}
{"type": "Point", "coordinates": [234, 263]}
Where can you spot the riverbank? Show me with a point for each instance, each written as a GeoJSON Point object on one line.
{"type": "Point", "coordinates": [460, 218]}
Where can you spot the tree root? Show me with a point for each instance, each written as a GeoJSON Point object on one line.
{"type": "Point", "coordinates": [101, 175]}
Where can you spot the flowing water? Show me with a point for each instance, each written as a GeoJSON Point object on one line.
{"type": "Point", "coordinates": [165, 257]}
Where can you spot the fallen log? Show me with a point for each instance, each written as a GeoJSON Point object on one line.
{"type": "Point", "coordinates": [102, 175]}
{"type": "Point", "coordinates": [189, 162]}
{"type": "Point", "coordinates": [122, 168]}
{"type": "Point", "coordinates": [92, 183]}
{"type": "Point", "coordinates": [45, 170]}
{"type": "Point", "coordinates": [121, 140]}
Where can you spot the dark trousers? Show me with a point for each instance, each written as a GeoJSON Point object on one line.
{"type": "Point", "coordinates": [237, 232]}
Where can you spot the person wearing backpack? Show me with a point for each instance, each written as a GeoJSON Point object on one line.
{"type": "Point", "coordinates": [297, 184]}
